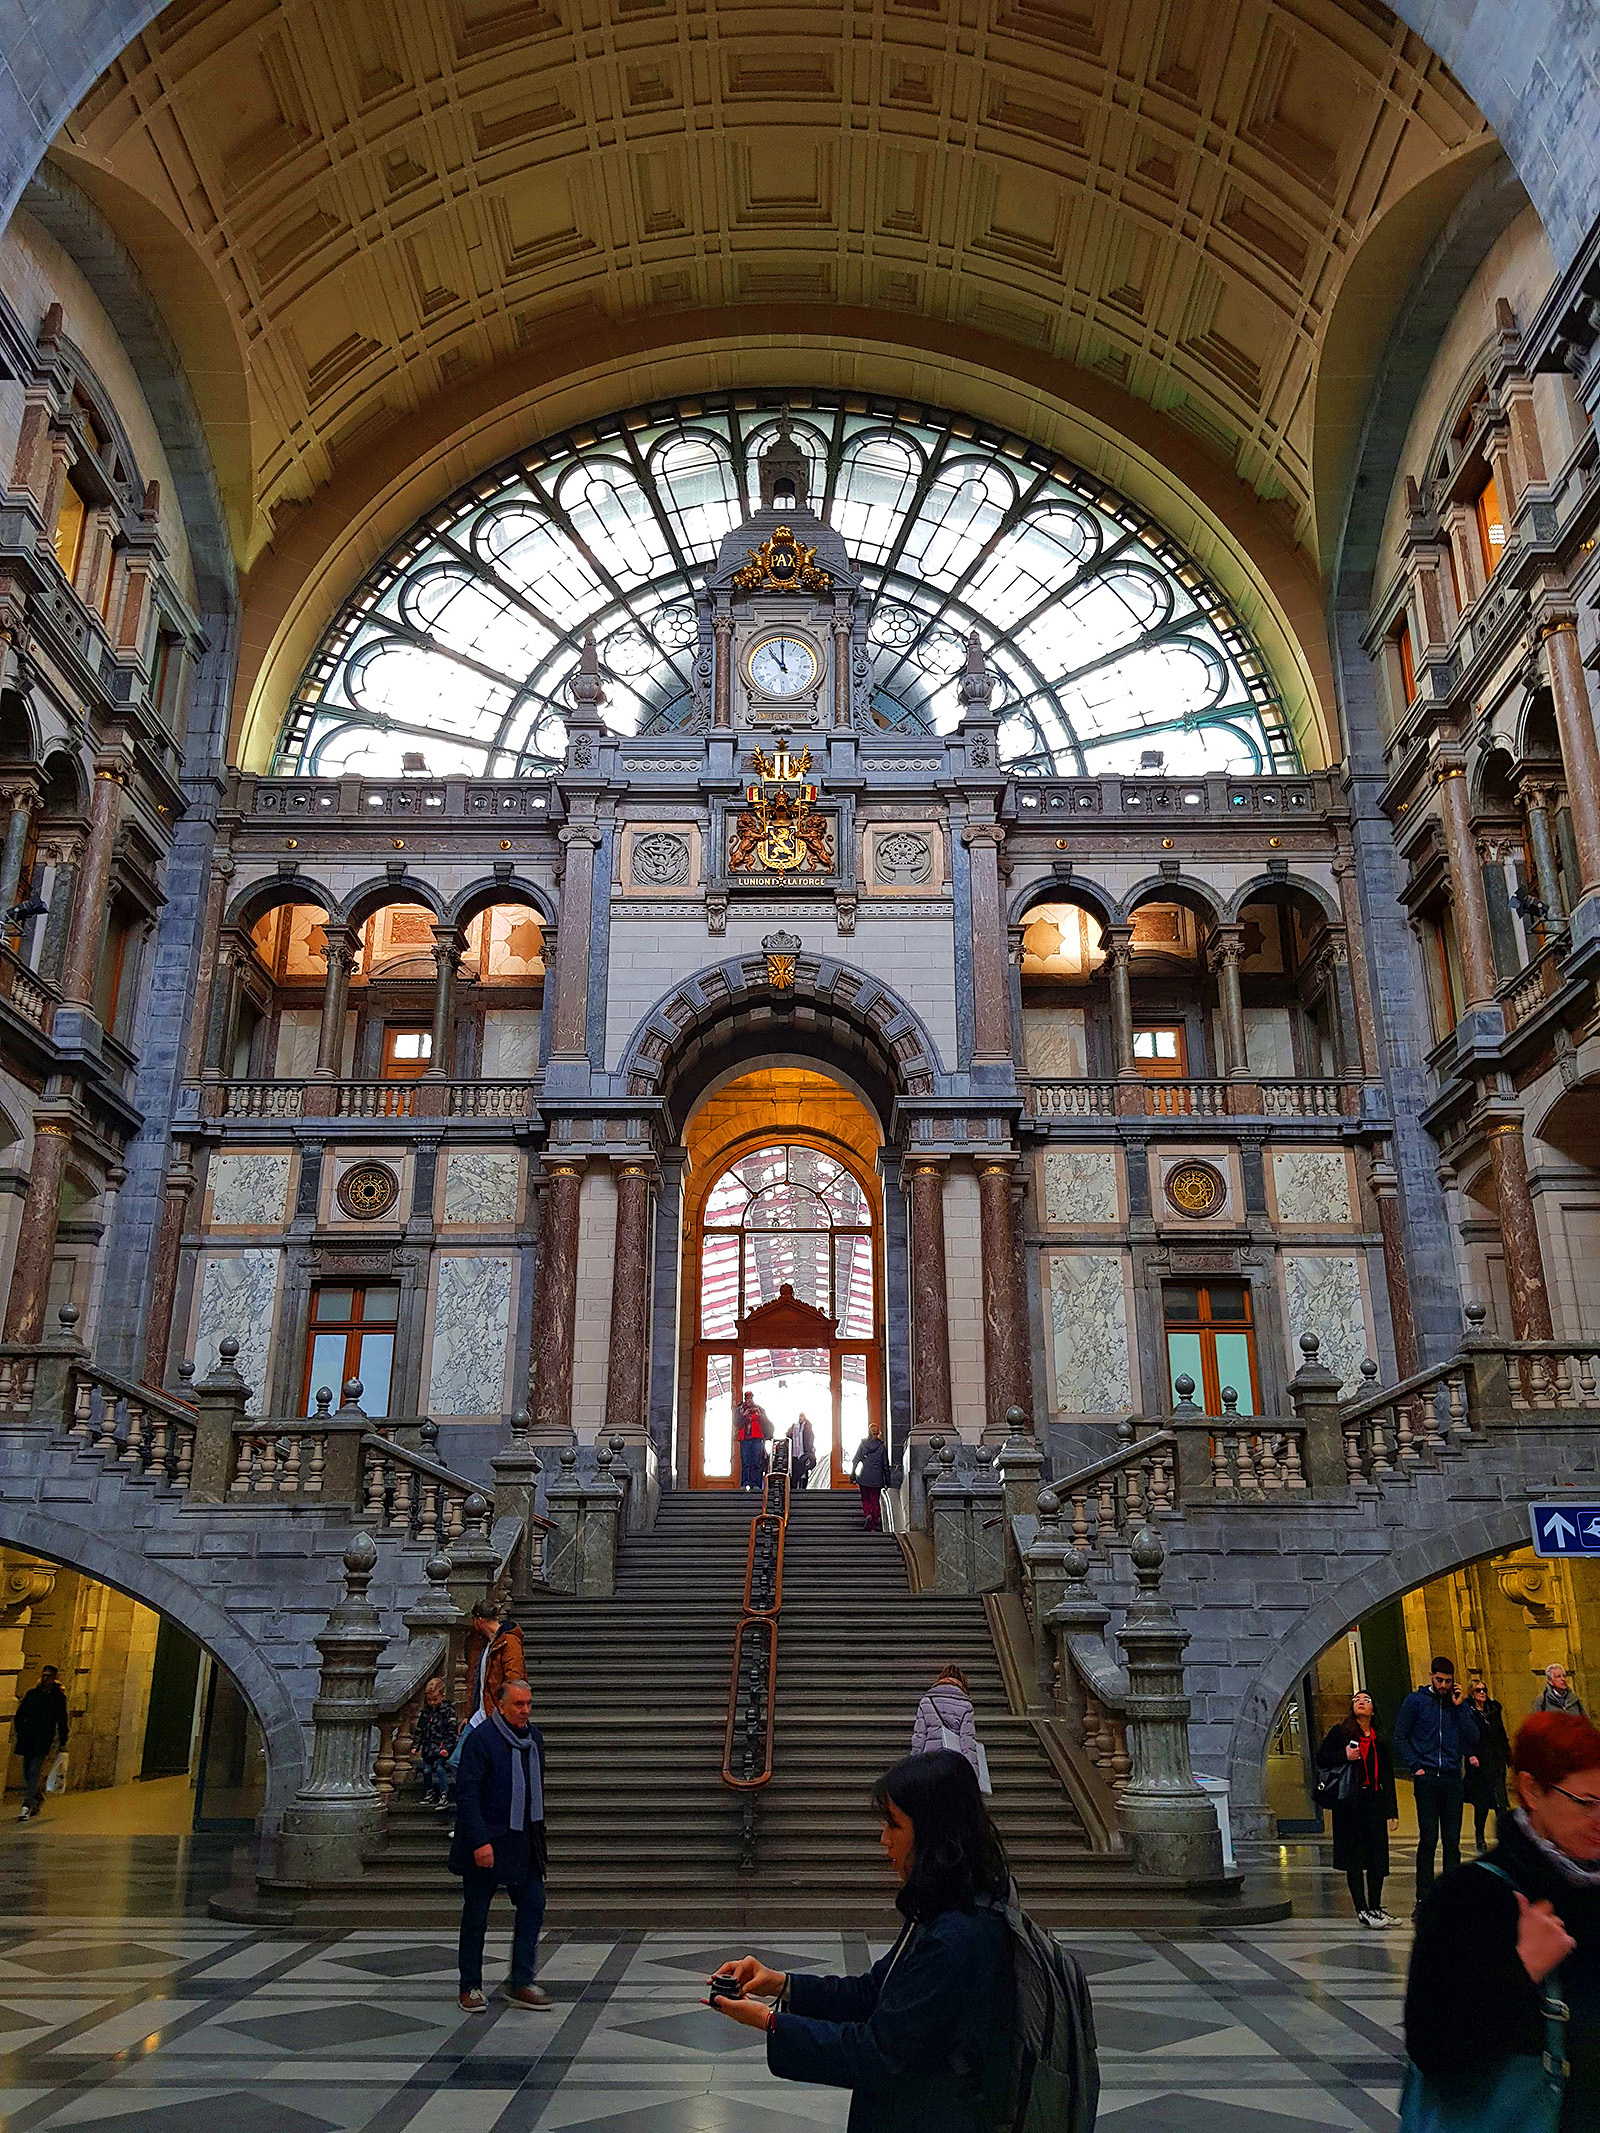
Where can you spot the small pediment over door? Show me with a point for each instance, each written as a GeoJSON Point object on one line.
{"type": "Point", "coordinates": [786, 1322]}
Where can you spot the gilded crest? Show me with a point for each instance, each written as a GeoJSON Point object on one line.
{"type": "Point", "coordinates": [782, 564]}
{"type": "Point", "coordinates": [780, 830]}
{"type": "Point", "coordinates": [780, 950]}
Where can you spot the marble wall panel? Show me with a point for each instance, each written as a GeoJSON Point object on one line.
{"type": "Point", "coordinates": [1080, 1185]}
{"type": "Point", "coordinates": [1323, 1293]}
{"type": "Point", "coordinates": [249, 1190]}
{"type": "Point", "coordinates": [299, 1028]}
{"type": "Point", "coordinates": [471, 1332]}
{"type": "Point", "coordinates": [1054, 1041]}
{"type": "Point", "coordinates": [238, 1293]}
{"type": "Point", "coordinates": [510, 1043]}
{"type": "Point", "coordinates": [1312, 1184]}
{"type": "Point", "coordinates": [481, 1185]}
{"type": "Point", "coordinates": [1089, 1328]}
{"type": "Point", "coordinates": [1268, 1043]}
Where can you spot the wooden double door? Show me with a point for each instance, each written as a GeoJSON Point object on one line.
{"type": "Point", "coordinates": [789, 1358]}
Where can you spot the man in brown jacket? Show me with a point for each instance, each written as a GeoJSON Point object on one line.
{"type": "Point", "coordinates": [495, 1656]}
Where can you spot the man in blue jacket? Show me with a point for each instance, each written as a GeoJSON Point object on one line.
{"type": "Point", "coordinates": [499, 1842]}
{"type": "Point", "coordinates": [1434, 1736]}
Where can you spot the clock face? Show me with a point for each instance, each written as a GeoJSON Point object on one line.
{"type": "Point", "coordinates": [782, 666]}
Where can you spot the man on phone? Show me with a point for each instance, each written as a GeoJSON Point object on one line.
{"type": "Point", "coordinates": [1436, 1734]}
{"type": "Point", "coordinates": [499, 1842]}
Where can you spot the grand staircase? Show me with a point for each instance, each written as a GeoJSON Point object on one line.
{"type": "Point", "coordinates": [631, 1694]}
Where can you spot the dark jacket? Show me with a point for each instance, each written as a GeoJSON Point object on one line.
{"type": "Point", "coordinates": [434, 1733]}
{"type": "Point", "coordinates": [1361, 1823]}
{"type": "Point", "coordinates": [870, 1465]}
{"type": "Point", "coordinates": [1469, 2002]}
{"type": "Point", "coordinates": [802, 1448]}
{"type": "Point", "coordinates": [923, 2041]}
{"type": "Point", "coordinates": [1548, 1700]}
{"type": "Point", "coordinates": [1433, 1734]}
{"type": "Point", "coordinates": [483, 1809]}
{"type": "Point", "coordinates": [40, 1719]}
{"type": "Point", "coordinates": [1494, 1752]}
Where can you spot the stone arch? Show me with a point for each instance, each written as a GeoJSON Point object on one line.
{"type": "Point", "coordinates": [66, 789]}
{"type": "Point", "coordinates": [479, 895]}
{"type": "Point", "coordinates": [255, 901]}
{"type": "Point", "coordinates": [373, 896]}
{"type": "Point", "coordinates": [19, 729]}
{"type": "Point", "coordinates": [24, 1524]}
{"type": "Point", "coordinates": [1053, 889]}
{"type": "Point", "coordinates": [731, 1011]}
{"type": "Point", "coordinates": [1422, 1556]}
{"type": "Point", "coordinates": [1265, 886]}
{"type": "Point", "coordinates": [1173, 889]}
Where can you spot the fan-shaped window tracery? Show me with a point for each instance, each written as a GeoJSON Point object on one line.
{"type": "Point", "coordinates": [1110, 650]}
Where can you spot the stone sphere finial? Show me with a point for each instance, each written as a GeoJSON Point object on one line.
{"type": "Point", "coordinates": [429, 1433]}
{"type": "Point", "coordinates": [228, 1349]}
{"type": "Point", "coordinates": [1049, 1514]}
{"type": "Point", "coordinates": [618, 1443]}
{"type": "Point", "coordinates": [568, 1456]}
{"type": "Point", "coordinates": [1310, 1346]}
{"type": "Point", "coordinates": [935, 1446]}
{"type": "Point", "coordinates": [1230, 1402]}
{"type": "Point", "coordinates": [1183, 1385]}
{"type": "Point", "coordinates": [437, 1568]}
{"type": "Point", "coordinates": [186, 1368]}
{"type": "Point", "coordinates": [360, 1556]}
{"type": "Point", "coordinates": [353, 1389]}
{"type": "Point", "coordinates": [68, 1315]}
{"type": "Point", "coordinates": [324, 1402]}
{"type": "Point", "coordinates": [1017, 1422]}
{"type": "Point", "coordinates": [1476, 1313]}
{"type": "Point", "coordinates": [1369, 1370]}
{"type": "Point", "coordinates": [984, 1456]}
{"type": "Point", "coordinates": [1147, 1555]}
{"type": "Point", "coordinates": [1075, 1564]}
{"type": "Point", "coordinates": [475, 1512]}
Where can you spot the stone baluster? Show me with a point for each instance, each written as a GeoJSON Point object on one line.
{"type": "Point", "coordinates": [1166, 1815]}
{"type": "Point", "coordinates": [337, 1813]}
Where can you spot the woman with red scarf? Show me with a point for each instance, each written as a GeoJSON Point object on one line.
{"type": "Point", "coordinates": [1366, 1809]}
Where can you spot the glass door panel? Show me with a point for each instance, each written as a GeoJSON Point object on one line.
{"type": "Point", "coordinates": [1233, 1368]}
{"type": "Point", "coordinates": [854, 1409]}
{"type": "Point", "coordinates": [1184, 1360]}
{"type": "Point", "coordinates": [789, 1382]}
{"type": "Point", "coordinates": [327, 1369]}
{"type": "Point", "coordinates": [716, 1427]}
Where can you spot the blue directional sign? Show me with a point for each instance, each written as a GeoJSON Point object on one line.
{"type": "Point", "coordinates": [1565, 1528]}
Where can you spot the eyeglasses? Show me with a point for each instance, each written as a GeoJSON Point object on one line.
{"type": "Point", "coordinates": [1587, 1807]}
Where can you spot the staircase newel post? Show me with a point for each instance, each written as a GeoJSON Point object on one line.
{"type": "Point", "coordinates": [1076, 1614]}
{"type": "Point", "coordinates": [1314, 1391]}
{"type": "Point", "coordinates": [1021, 1465]}
{"type": "Point", "coordinates": [1046, 1564]}
{"type": "Point", "coordinates": [219, 1405]}
{"type": "Point", "coordinates": [602, 1525]}
{"type": "Point", "coordinates": [1168, 1818]}
{"type": "Point", "coordinates": [516, 1473]}
{"type": "Point", "coordinates": [51, 1402]}
{"type": "Point", "coordinates": [337, 1814]}
{"type": "Point", "coordinates": [473, 1563]}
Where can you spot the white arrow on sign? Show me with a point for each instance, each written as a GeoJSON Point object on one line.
{"type": "Point", "coordinates": [1559, 1528]}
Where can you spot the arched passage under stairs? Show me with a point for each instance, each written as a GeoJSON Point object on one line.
{"type": "Point", "coordinates": [784, 1267]}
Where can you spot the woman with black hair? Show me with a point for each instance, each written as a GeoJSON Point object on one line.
{"type": "Point", "coordinates": [923, 2040]}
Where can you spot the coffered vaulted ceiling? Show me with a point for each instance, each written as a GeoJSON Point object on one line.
{"type": "Point", "coordinates": [388, 197]}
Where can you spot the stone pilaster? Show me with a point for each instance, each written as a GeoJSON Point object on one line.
{"type": "Point", "coordinates": [1519, 1227]}
{"type": "Point", "coordinates": [36, 1235]}
{"type": "Point", "coordinates": [1005, 1345]}
{"type": "Point", "coordinates": [556, 1326]}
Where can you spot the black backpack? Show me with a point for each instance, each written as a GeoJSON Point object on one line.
{"type": "Point", "coordinates": [1054, 2084]}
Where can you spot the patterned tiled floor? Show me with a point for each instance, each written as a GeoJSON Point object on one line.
{"type": "Point", "coordinates": [158, 2019]}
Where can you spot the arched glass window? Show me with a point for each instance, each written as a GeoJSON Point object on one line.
{"type": "Point", "coordinates": [787, 1306]}
{"type": "Point", "coordinates": [1111, 649]}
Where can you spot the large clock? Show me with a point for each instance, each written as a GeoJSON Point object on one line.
{"type": "Point", "coordinates": [781, 665]}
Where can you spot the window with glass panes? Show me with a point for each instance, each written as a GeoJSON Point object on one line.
{"type": "Point", "coordinates": [1211, 1339]}
{"type": "Point", "coordinates": [1159, 1051]}
{"type": "Point", "coordinates": [786, 1215]}
{"type": "Point", "coordinates": [352, 1336]}
{"type": "Point", "coordinates": [407, 1050]}
{"type": "Point", "coordinates": [1104, 638]}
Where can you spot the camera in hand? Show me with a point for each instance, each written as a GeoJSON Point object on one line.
{"type": "Point", "coordinates": [724, 1987]}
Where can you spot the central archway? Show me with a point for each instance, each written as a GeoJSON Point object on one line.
{"type": "Point", "coordinates": [783, 1292]}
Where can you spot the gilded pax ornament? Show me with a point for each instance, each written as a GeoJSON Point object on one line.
{"type": "Point", "coordinates": [782, 564]}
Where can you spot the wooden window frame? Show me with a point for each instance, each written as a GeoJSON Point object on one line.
{"type": "Point", "coordinates": [1162, 1069]}
{"type": "Point", "coordinates": [392, 1069]}
{"type": "Point", "coordinates": [1490, 514]}
{"type": "Point", "coordinates": [1207, 1327]}
{"type": "Point", "coordinates": [354, 1328]}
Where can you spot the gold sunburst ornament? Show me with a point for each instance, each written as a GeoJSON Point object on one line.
{"type": "Point", "coordinates": [782, 564]}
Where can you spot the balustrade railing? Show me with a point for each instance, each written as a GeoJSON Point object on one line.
{"type": "Point", "coordinates": [131, 1425]}
{"type": "Point", "coordinates": [32, 997]}
{"type": "Point", "coordinates": [1187, 1099]}
{"type": "Point", "coordinates": [262, 1099]}
{"type": "Point", "coordinates": [375, 1099]}
{"type": "Point", "coordinates": [490, 1099]}
{"type": "Point", "coordinates": [372, 1099]}
{"type": "Point", "coordinates": [1522, 997]}
{"type": "Point", "coordinates": [1071, 1099]}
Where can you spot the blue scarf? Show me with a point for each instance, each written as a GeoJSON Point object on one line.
{"type": "Point", "coordinates": [527, 1786]}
